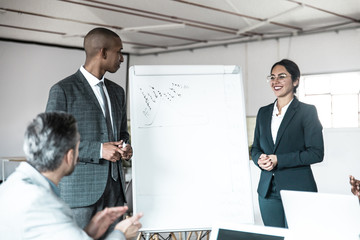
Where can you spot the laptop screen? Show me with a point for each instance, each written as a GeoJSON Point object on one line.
{"type": "Point", "coordinates": [333, 215]}
{"type": "Point", "coordinates": [247, 232]}
{"type": "Point", "coordinates": [226, 234]}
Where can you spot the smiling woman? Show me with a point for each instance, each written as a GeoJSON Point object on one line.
{"type": "Point", "coordinates": [284, 85]}
{"type": "Point", "coordinates": [287, 140]}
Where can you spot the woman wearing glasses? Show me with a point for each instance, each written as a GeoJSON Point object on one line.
{"type": "Point", "coordinates": [287, 140]}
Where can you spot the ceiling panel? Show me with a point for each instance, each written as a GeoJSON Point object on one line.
{"type": "Point", "coordinates": [154, 26]}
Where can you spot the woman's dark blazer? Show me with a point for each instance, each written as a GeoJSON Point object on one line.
{"type": "Point", "coordinates": [299, 143]}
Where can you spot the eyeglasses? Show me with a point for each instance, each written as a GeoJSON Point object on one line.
{"type": "Point", "coordinates": [280, 77]}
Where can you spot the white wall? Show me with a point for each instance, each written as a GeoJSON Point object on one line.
{"type": "Point", "coordinates": [319, 53]}
{"type": "Point", "coordinates": [27, 73]}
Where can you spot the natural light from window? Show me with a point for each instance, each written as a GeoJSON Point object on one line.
{"type": "Point", "coordinates": [336, 97]}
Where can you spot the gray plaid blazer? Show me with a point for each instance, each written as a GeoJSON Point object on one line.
{"type": "Point", "coordinates": [74, 95]}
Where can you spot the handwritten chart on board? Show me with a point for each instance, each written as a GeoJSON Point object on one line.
{"type": "Point", "coordinates": [190, 163]}
{"type": "Point", "coordinates": [172, 98]}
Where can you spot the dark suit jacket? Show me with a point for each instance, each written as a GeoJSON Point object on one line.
{"type": "Point", "coordinates": [299, 144]}
{"type": "Point", "coordinates": [74, 95]}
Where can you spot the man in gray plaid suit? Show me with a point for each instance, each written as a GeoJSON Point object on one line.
{"type": "Point", "coordinates": [99, 107]}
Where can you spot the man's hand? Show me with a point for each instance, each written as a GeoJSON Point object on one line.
{"type": "Point", "coordinates": [102, 220]}
{"type": "Point", "coordinates": [126, 150]}
{"type": "Point", "coordinates": [355, 186]}
{"type": "Point", "coordinates": [111, 151]}
{"type": "Point", "coordinates": [130, 226]}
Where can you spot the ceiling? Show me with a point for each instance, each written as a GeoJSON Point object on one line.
{"type": "Point", "coordinates": [155, 26]}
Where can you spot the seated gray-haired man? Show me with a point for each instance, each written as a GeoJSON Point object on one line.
{"type": "Point", "coordinates": [30, 207]}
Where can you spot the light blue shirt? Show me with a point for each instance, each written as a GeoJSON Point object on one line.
{"type": "Point", "coordinates": [53, 186]}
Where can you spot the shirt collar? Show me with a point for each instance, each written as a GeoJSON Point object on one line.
{"type": "Point", "coordinates": [283, 110]}
{"type": "Point", "coordinates": [55, 188]}
{"type": "Point", "coordinates": [93, 81]}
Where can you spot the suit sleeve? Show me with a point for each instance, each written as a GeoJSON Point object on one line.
{"type": "Point", "coordinates": [56, 100]}
{"type": "Point", "coordinates": [256, 149]}
{"type": "Point", "coordinates": [49, 218]}
{"type": "Point", "coordinates": [313, 151]}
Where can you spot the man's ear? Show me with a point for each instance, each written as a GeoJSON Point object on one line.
{"type": "Point", "coordinates": [69, 157]}
{"type": "Point", "coordinates": [103, 52]}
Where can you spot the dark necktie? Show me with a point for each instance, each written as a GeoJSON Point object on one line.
{"type": "Point", "coordinates": [114, 165]}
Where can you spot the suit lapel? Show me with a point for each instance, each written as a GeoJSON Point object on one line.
{"type": "Point", "coordinates": [268, 117]}
{"type": "Point", "coordinates": [287, 119]}
{"type": "Point", "coordinates": [87, 90]}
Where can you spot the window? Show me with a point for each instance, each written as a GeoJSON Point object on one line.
{"type": "Point", "coordinates": [336, 97]}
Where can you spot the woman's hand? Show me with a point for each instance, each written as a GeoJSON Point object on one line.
{"type": "Point", "coordinates": [267, 162]}
{"type": "Point", "coordinates": [264, 162]}
{"type": "Point", "coordinates": [274, 160]}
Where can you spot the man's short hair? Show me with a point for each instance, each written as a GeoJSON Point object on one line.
{"type": "Point", "coordinates": [98, 38]}
{"type": "Point", "coordinates": [48, 138]}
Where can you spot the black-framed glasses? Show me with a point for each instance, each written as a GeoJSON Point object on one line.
{"type": "Point", "coordinates": [280, 77]}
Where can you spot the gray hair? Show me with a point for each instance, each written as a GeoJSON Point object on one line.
{"type": "Point", "coordinates": [48, 138]}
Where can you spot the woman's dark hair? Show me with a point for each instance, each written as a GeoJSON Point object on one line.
{"type": "Point", "coordinates": [292, 68]}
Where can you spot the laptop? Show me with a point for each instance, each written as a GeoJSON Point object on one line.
{"type": "Point", "coordinates": [321, 215]}
{"type": "Point", "coordinates": [246, 232]}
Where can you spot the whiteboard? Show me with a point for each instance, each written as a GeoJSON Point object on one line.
{"type": "Point", "coordinates": [191, 162]}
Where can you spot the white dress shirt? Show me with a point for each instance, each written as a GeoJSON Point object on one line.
{"type": "Point", "coordinates": [93, 81]}
{"type": "Point", "coordinates": [277, 119]}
